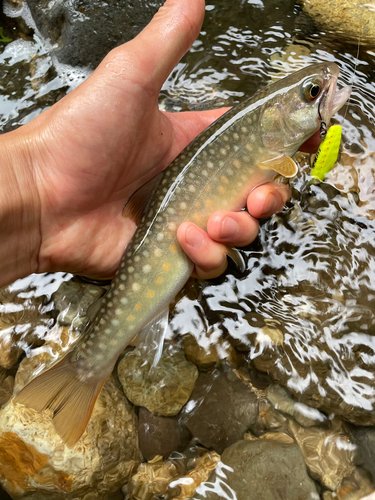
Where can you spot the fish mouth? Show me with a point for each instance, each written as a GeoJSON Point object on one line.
{"type": "Point", "coordinates": [339, 99]}
{"type": "Point", "coordinates": [334, 99]}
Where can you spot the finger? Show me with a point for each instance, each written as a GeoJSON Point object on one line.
{"type": "Point", "coordinates": [158, 48]}
{"type": "Point", "coordinates": [233, 228]}
{"type": "Point", "coordinates": [209, 257]}
{"type": "Point", "coordinates": [268, 199]}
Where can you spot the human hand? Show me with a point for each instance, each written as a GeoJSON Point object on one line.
{"type": "Point", "coordinates": [85, 156]}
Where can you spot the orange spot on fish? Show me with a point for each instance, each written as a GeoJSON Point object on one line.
{"type": "Point", "coordinates": [197, 204]}
{"type": "Point", "coordinates": [130, 318]}
{"type": "Point", "coordinates": [237, 163]}
{"type": "Point", "coordinates": [138, 306]}
{"type": "Point", "coordinates": [208, 188]}
{"type": "Point", "coordinates": [113, 342]}
{"type": "Point", "coordinates": [197, 217]}
{"type": "Point", "coordinates": [173, 248]}
{"type": "Point", "coordinates": [249, 147]}
{"type": "Point", "coordinates": [224, 179]}
{"type": "Point", "coordinates": [150, 294]}
{"type": "Point", "coordinates": [208, 203]}
{"type": "Point", "coordinates": [166, 266]}
{"type": "Point", "coordinates": [221, 189]}
{"type": "Point", "coordinates": [159, 280]}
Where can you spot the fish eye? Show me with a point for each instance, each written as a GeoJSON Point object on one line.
{"type": "Point", "coordinates": [311, 90]}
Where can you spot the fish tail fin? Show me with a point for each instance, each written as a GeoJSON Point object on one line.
{"type": "Point", "coordinates": [70, 396]}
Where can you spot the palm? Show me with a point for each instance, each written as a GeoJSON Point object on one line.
{"type": "Point", "coordinates": [93, 159]}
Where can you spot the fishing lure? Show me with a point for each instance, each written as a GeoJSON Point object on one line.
{"type": "Point", "coordinates": [328, 151]}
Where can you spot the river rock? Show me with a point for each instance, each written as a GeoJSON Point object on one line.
{"type": "Point", "coordinates": [329, 453]}
{"type": "Point", "coordinates": [160, 435]}
{"type": "Point", "coordinates": [72, 300]}
{"type": "Point", "coordinates": [184, 487]}
{"type": "Point", "coordinates": [152, 479]}
{"type": "Point", "coordinates": [82, 32]}
{"type": "Point", "coordinates": [365, 440]}
{"type": "Point", "coordinates": [221, 409]}
{"type": "Point", "coordinates": [163, 389]}
{"type": "Point", "coordinates": [23, 321]}
{"type": "Point", "coordinates": [302, 414]}
{"type": "Point", "coordinates": [35, 463]}
{"type": "Point", "coordinates": [351, 20]}
{"type": "Point", "coordinates": [259, 470]}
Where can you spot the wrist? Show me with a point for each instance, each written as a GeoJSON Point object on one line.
{"type": "Point", "coordinates": [19, 209]}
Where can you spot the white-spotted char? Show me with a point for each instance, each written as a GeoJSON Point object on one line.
{"type": "Point", "coordinates": [244, 148]}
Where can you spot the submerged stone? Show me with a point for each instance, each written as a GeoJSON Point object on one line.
{"type": "Point", "coordinates": [163, 389]}
{"type": "Point", "coordinates": [221, 409]}
{"type": "Point", "coordinates": [351, 20]}
{"type": "Point", "coordinates": [160, 435]}
{"type": "Point", "coordinates": [329, 453]}
{"type": "Point", "coordinates": [259, 470]}
{"type": "Point", "coordinates": [35, 463]}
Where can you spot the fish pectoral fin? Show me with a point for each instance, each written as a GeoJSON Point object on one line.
{"type": "Point", "coordinates": [282, 164]}
{"type": "Point", "coordinates": [69, 396]}
{"type": "Point", "coordinates": [152, 337]}
{"type": "Point", "coordinates": [139, 200]}
{"type": "Point", "coordinates": [94, 308]}
{"type": "Point", "coordinates": [236, 257]}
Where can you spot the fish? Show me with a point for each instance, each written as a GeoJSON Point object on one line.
{"type": "Point", "coordinates": [246, 147]}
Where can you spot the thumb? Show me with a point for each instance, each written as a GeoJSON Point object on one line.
{"type": "Point", "coordinates": [153, 54]}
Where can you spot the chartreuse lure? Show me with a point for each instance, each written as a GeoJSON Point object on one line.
{"type": "Point", "coordinates": [327, 153]}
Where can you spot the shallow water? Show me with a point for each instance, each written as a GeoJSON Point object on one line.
{"type": "Point", "coordinates": [310, 276]}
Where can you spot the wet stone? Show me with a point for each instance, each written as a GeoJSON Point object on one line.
{"type": "Point", "coordinates": [152, 479]}
{"type": "Point", "coordinates": [302, 414]}
{"type": "Point", "coordinates": [255, 470]}
{"type": "Point", "coordinates": [73, 300]}
{"type": "Point", "coordinates": [160, 435]}
{"type": "Point", "coordinates": [328, 452]}
{"type": "Point", "coordinates": [221, 409]}
{"type": "Point", "coordinates": [24, 321]}
{"type": "Point", "coordinates": [365, 440]}
{"type": "Point", "coordinates": [35, 463]}
{"type": "Point", "coordinates": [163, 389]}
{"type": "Point", "coordinates": [351, 20]}
{"type": "Point", "coordinates": [82, 32]}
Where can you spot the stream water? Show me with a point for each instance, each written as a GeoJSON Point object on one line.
{"type": "Point", "coordinates": [302, 316]}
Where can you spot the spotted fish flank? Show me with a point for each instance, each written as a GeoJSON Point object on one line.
{"type": "Point", "coordinates": [243, 149]}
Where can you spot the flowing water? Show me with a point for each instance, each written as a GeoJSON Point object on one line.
{"type": "Point", "coordinates": [301, 316]}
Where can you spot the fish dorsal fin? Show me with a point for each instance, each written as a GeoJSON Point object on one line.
{"type": "Point", "coordinates": [139, 200]}
{"type": "Point", "coordinates": [283, 165]}
{"type": "Point", "coordinates": [152, 337]}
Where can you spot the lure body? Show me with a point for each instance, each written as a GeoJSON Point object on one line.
{"type": "Point", "coordinates": [327, 153]}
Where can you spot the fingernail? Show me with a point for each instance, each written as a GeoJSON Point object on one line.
{"type": "Point", "coordinates": [194, 237]}
{"type": "Point", "coordinates": [229, 228]}
{"type": "Point", "coordinates": [270, 205]}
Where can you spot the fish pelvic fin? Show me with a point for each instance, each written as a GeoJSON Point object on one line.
{"type": "Point", "coordinates": [68, 394]}
{"type": "Point", "coordinates": [283, 165]}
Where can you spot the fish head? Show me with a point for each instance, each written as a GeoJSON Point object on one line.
{"type": "Point", "coordinates": [296, 106]}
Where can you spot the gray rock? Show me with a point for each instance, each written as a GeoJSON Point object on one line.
{"type": "Point", "coordinates": [160, 435]}
{"type": "Point", "coordinates": [221, 409]}
{"type": "Point", "coordinates": [260, 470]}
{"type": "Point", "coordinates": [82, 32]}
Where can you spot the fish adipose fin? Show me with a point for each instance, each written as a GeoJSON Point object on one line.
{"type": "Point", "coordinates": [70, 397]}
{"type": "Point", "coordinates": [283, 165]}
